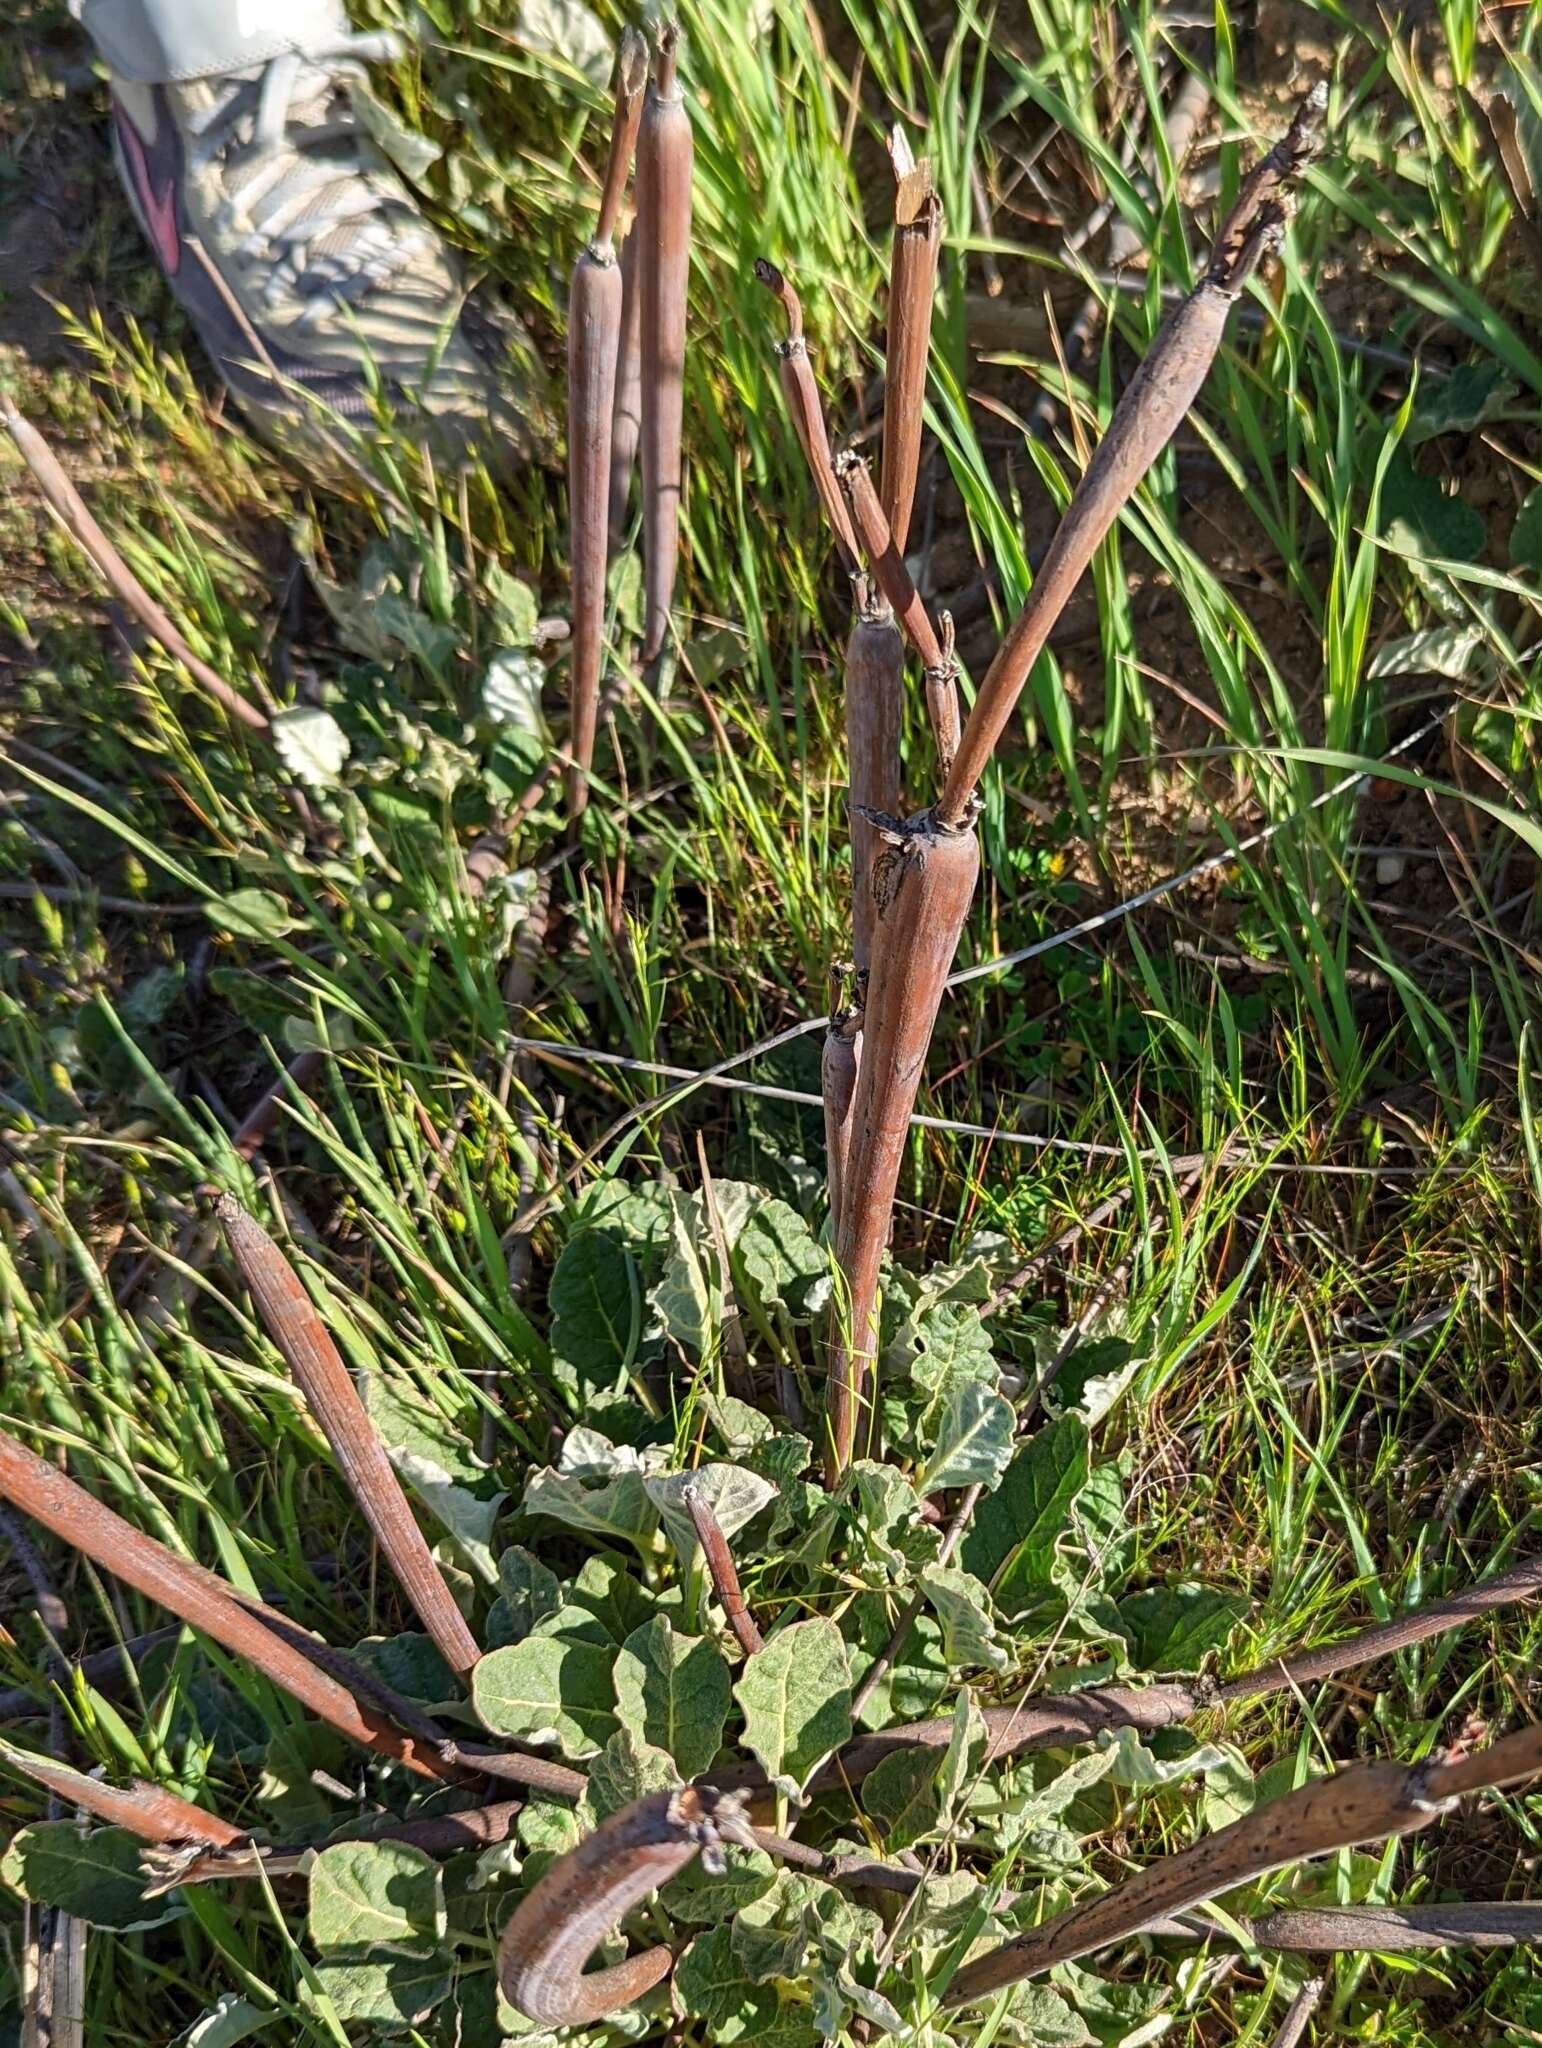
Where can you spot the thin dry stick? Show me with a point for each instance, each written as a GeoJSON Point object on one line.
{"type": "Point", "coordinates": [194, 1594]}
{"type": "Point", "coordinates": [1393, 1930]}
{"type": "Point", "coordinates": [921, 887]}
{"type": "Point", "coordinates": [290, 1318]}
{"type": "Point", "coordinates": [721, 1570]}
{"type": "Point", "coordinates": [1365, 1803]}
{"type": "Point", "coordinates": [626, 413]}
{"type": "Point", "coordinates": [75, 517]}
{"type": "Point", "coordinates": [1157, 399]}
{"type": "Point", "coordinates": [595, 312]}
{"type": "Point", "coordinates": [907, 1621]}
{"type": "Point", "coordinates": [664, 161]}
{"type": "Point", "coordinates": [912, 292]}
{"type": "Point", "coordinates": [805, 410]}
{"type": "Point", "coordinates": [939, 665]}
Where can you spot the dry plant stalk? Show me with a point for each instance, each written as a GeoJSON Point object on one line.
{"type": "Point", "coordinates": [595, 315]}
{"type": "Point", "coordinates": [663, 228]}
{"type": "Point", "coordinates": [912, 290]}
{"type": "Point", "coordinates": [1363, 1804]}
{"type": "Point", "coordinates": [75, 516]}
{"type": "Point", "coordinates": [626, 412]}
{"type": "Point", "coordinates": [194, 1594]}
{"type": "Point", "coordinates": [921, 887]}
{"type": "Point", "coordinates": [805, 409]}
{"type": "Point", "coordinates": [887, 566]}
{"type": "Point", "coordinates": [290, 1319]}
{"type": "Point", "coordinates": [1145, 419]}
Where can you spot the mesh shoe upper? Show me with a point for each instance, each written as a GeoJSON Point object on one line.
{"type": "Point", "coordinates": [303, 257]}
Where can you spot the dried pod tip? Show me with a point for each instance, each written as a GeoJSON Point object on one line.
{"type": "Point", "coordinates": [631, 63]}
{"type": "Point", "coordinates": [775, 282]}
{"type": "Point", "coordinates": [666, 80]}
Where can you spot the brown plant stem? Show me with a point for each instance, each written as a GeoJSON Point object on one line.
{"type": "Point", "coordinates": [921, 887]}
{"type": "Point", "coordinates": [1364, 1803]}
{"type": "Point", "coordinates": [884, 561]}
{"type": "Point", "coordinates": [1300, 2013]}
{"type": "Point", "coordinates": [912, 292]}
{"type": "Point", "coordinates": [875, 674]}
{"type": "Point", "coordinates": [75, 517]}
{"type": "Point", "coordinates": [663, 227]}
{"type": "Point", "coordinates": [194, 1594]}
{"type": "Point", "coordinates": [289, 1316]}
{"type": "Point", "coordinates": [1154, 404]}
{"type": "Point", "coordinates": [595, 313]}
{"type": "Point", "coordinates": [722, 1571]}
{"type": "Point", "coordinates": [801, 392]}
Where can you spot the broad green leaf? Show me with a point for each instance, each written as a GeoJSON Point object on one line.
{"type": "Point", "coordinates": [974, 1439]}
{"type": "Point", "coordinates": [1471, 395]}
{"type": "Point", "coordinates": [1012, 1540]}
{"type": "Point", "coordinates": [1049, 1801]}
{"type": "Point", "coordinates": [230, 2019]}
{"type": "Point", "coordinates": [1419, 518]}
{"type": "Point", "coordinates": [1100, 1516]}
{"type": "Point", "coordinates": [612, 1595]}
{"type": "Point", "coordinates": [545, 1686]}
{"type": "Point", "coordinates": [710, 1983]}
{"type": "Point", "coordinates": [673, 1690]}
{"type": "Point", "coordinates": [900, 1795]}
{"type": "Point", "coordinates": [311, 744]}
{"type": "Point", "coordinates": [962, 1605]}
{"type": "Point", "coordinates": [94, 1876]}
{"type": "Point", "coordinates": [411, 1665]}
{"type": "Point", "coordinates": [887, 1512]}
{"type": "Point", "coordinates": [609, 1505]}
{"type": "Point", "coordinates": [734, 1495]}
{"type": "Point", "coordinates": [782, 1259]}
{"type": "Point", "coordinates": [527, 1594]}
{"type": "Point", "coordinates": [251, 914]}
{"type": "Point", "coordinates": [576, 1625]}
{"type": "Point", "coordinates": [687, 1303]}
{"type": "Point", "coordinates": [397, 1992]}
{"type": "Point", "coordinates": [376, 1895]}
{"type": "Point", "coordinates": [1093, 1378]}
{"type": "Point", "coordinates": [795, 1694]}
{"type": "Point", "coordinates": [1174, 1628]}
{"type": "Point", "coordinates": [596, 1304]}
{"type": "Point", "coordinates": [437, 1463]}
{"type": "Point", "coordinates": [770, 1936]}
{"type": "Point", "coordinates": [1040, 2015]}
{"type": "Point", "coordinates": [1161, 1759]}
{"type": "Point", "coordinates": [703, 1900]}
{"type": "Point", "coordinates": [627, 1768]}
{"type": "Point", "coordinates": [911, 1688]}
{"type": "Point", "coordinates": [955, 1349]}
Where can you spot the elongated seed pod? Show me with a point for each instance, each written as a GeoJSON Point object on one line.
{"type": "Point", "coordinates": [626, 412]}
{"type": "Point", "coordinates": [145, 1810]}
{"type": "Point", "coordinates": [558, 1925]}
{"type": "Point", "coordinates": [664, 160]}
{"type": "Point", "coordinates": [838, 1085]}
{"type": "Point", "coordinates": [887, 565]}
{"type": "Point", "coordinates": [1154, 404]}
{"type": "Point", "coordinates": [806, 411]}
{"type": "Point", "coordinates": [912, 293]}
{"type": "Point", "coordinates": [595, 307]}
{"type": "Point", "coordinates": [290, 1319]}
{"type": "Point", "coordinates": [196, 1595]}
{"type": "Point", "coordinates": [922, 885]}
{"type": "Point", "coordinates": [875, 673]}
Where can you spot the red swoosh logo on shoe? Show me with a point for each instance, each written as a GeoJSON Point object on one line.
{"type": "Point", "coordinates": [157, 205]}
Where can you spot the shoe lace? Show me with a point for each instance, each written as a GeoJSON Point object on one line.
{"type": "Point", "coordinates": [323, 216]}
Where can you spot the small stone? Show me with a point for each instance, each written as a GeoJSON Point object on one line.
{"type": "Point", "coordinates": [1389, 869]}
